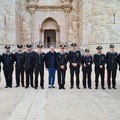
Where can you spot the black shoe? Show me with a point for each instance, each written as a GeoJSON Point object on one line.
{"type": "Point", "coordinates": [23, 86]}
{"type": "Point", "coordinates": [103, 88]}
{"type": "Point", "coordinates": [84, 87]}
{"type": "Point", "coordinates": [89, 87]}
{"type": "Point", "coordinates": [42, 87]}
{"type": "Point", "coordinates": [109, 87]}
{"type": "Point", "coordinates": [6, 86]}
{"type": "Point", "coordinates": [96, 87]}
{"type": "Point", "coordinates": [63, 87]}
{"type": "Point", "coordinates": [71, 87]}
{"type": "Point", "coordinates": [32, 86]}
{"type": "Point", "coordinates": [10, 86]}
{"type": "Point", "coordinates": [78, 87]}
{"type": "Point", "coordinates": [53, 86]}
{"type": "Point", "coordinates": [17, 86]}
{"type": "Point", "coordinates": [26, 87]}
{"type": "Point", "coordinates": [49, 86]}
{"type": "Point", "coordinates": [60, 88]}
{"type": "Point", "coordinates": [36, 87]}
{"type": "Point", "coordinates": [114, 88]}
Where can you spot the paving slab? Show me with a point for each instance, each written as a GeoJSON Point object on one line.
{"type": "Point", "coordinates": [55, 104]}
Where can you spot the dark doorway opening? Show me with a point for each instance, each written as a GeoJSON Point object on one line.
{"type": "Point", "coordinates": [49, 38]}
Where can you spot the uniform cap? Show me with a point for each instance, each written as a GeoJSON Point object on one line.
{"type": "Point", "coordinates": [74, 44]}
{"type": "Point", "coordinates": [19, 46]}
{"type": "Point", "coordinates": [112, 46]}
{"type": "Point", "coordinates": [87, 50]}
{"type": "Point", "coordinates": [28, 45]}
{"type": "Point", "coordinates": [39, 46]}
{"type": "Point", "coordinates": [99, 48]}
{"type": "Point", "coordinates": [7, 47]}
{"type": "Point", "coordinates": [62, 46]}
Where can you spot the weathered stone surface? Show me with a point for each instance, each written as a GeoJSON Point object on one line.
{"type": "Point", "coordinates": [7, 22]}
{"type": "Point", "coordinates": [99, 24]}
{"type": "Point", "coordinates": [90, 22]}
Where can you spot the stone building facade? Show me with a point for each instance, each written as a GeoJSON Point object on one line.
{"type": "Point", "coordinates": [88, 22]}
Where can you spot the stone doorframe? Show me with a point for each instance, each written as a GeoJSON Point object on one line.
{"type": "Point", "coordinates": [54, 26]}
{"type": "Point", "coordinates": [65, 6]}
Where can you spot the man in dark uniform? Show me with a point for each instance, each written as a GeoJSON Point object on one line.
{"type": "Point", "coordinates": [111, 60]}
{"type": "Point", "coordinates": [39, 66]}
{"type": "Point", "coordinates": [87, 62]}
{"type": "Point", "coordinates": [8, 61]}
{"type": "Point", "coordinates": [29, 64]}
{"type": "Point", "coordinates": [61, 59]}
{"type": "Point", "coordinates": [0, 66]}
{"type": "Point", "coordinates": [50, 62]}
{"type": "Point", "coordinates": [74, 60]}
{"type": "Point", "coordinates": [99, 60]}
{"type": "Point", "coordinates": [19, 66]}
{"type": "Point", "coordinates": [119, 61]}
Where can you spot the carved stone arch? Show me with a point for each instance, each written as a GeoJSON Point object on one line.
{"type": "Point", "coordinates": [50, 31]}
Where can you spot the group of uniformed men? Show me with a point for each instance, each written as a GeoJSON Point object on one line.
{"type": "Point", "coordinates": [30, 62]}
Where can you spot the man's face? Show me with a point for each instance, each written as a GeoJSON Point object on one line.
{"type": "Point", "coordinates": [87, 53]}
{"type": "Point", "coordinates": [99, 51]}
{"type": "Point", "coordinates": [19, 49]}
{"type": "Point", "coordinates": [28, 49]}
{"type": "Point", "coordinates": [62, 49]}
{"type": "Point", "coordinates": [39, 49]}
{"type": "Point", "coordinates": [7, 50]}
{"type": "Point", "coordinates": [111, 49]}
{"type": "Point", "coordinates": [52, 48]}
{"type": "Point", "coordinates": [74, 48]}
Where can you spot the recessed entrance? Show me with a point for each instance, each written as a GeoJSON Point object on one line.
{"type": "Point", "coordinates": [50, 32]}
{"type": "Point", "coordinates": [49, 38]}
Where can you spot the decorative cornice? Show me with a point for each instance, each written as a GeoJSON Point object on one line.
{"type": "Point", "coordinates": [66, 1]}
{"type": "Point", "coordinates": [65, 7]}
{"type": "Point", "coordinates": [31, 8]}
{"type": "Point", "coordinates": [32, 1]}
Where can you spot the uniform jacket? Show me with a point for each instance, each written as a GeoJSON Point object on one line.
{"type": "Point", "coordinates": [29, 59]}
{"type": "Point", "coordinates": [0, 61]}
{"type": "Point", "coordinates": [85, 60]}
{"type": "Point", "coordinates": [19, 58]}
{"type": "Point", "coordinates": [112, 60]}
{"type": "Point", "coordinates": [8, 59]}
{"type": "Point", "coordinates": [62, 59]}
{"type": "Point", "coordinates": [74, 57]}
{"type": "Point", "coordinates": [39, 60]}
{"type": "Point", "coordinates": [119, 60]}
{"type": "Point", "coordinates": [99, 59]}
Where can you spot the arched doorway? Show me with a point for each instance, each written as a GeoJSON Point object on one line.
{"type": "Point", "coordinates": [49, 37]}
{"type": "Point", "coordinates": [50, 33]}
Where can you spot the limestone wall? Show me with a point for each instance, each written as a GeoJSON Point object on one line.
{"type": "Point", "coordinates": [91, 22]}
{"type": "Point", "coordinates": [100, 27]}
{"type": "Point", "coordinates": [74, 22]}
{"type": "Point", "coordinates": [7, 22]}
{"type": "Point", "coordinates": [22, 22]}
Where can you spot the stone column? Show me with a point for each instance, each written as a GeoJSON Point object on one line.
{"type": "Point", "coordinates": [67, 8]}
{"type": "Point", "coordinates": [31, 7]}
{"type": "Point", "coordinates": [41, 40]}
{"type": "Point", "coordinates": [57, 36]}
{"type": "Point", "coordinates": [57, 39]}
{"type": "Point", "coordinates": [42, 37]}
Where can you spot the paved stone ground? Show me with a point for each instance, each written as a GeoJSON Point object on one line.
{"type": "Point", "coordinates": [55, 104]}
